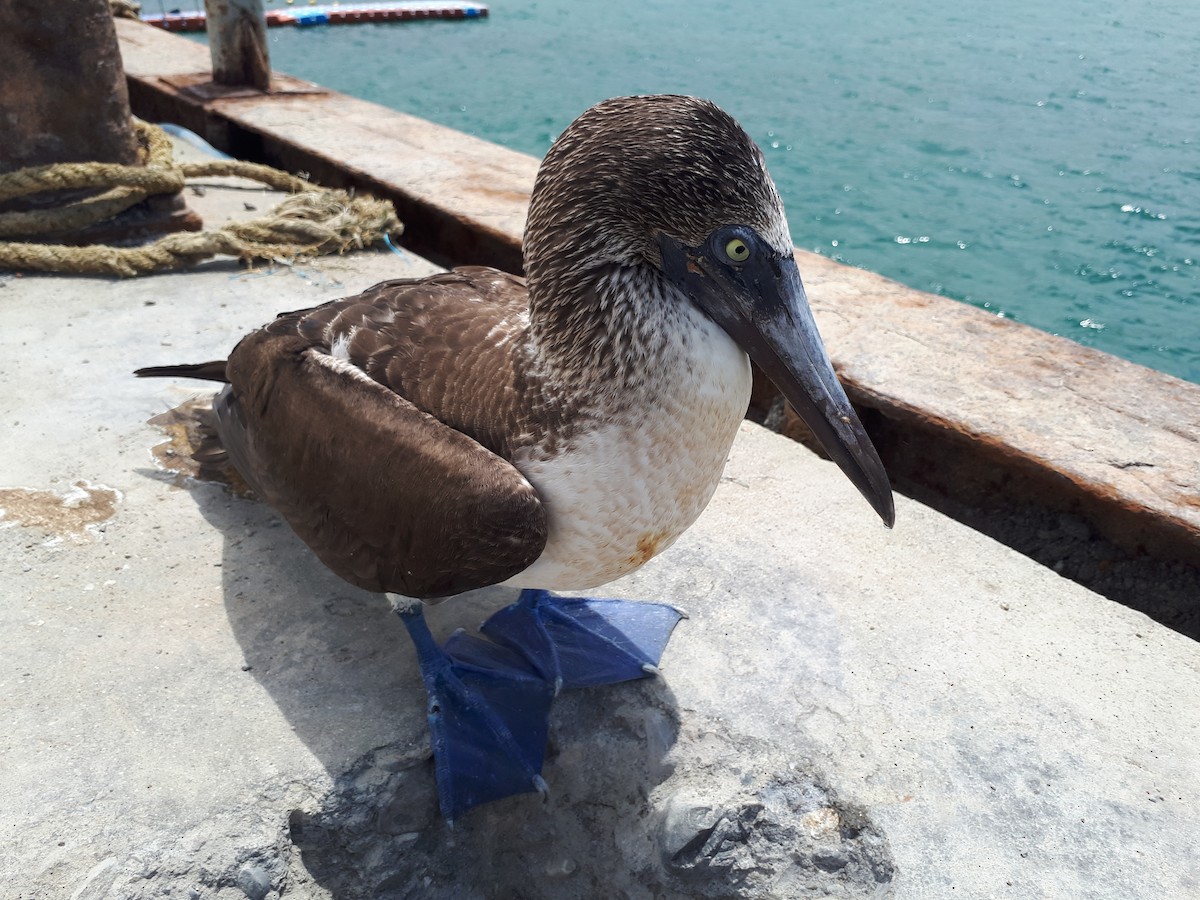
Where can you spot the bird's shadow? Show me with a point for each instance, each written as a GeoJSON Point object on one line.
{"type": "Point", "coordinates": [339, 666]}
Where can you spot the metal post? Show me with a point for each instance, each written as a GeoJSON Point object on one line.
{"type": "Point", "coordinates": [237, 37]}
{"type": "Point", "coordinates": [63, 99]}
{"type": "Point", "coordinates": [62, 88]}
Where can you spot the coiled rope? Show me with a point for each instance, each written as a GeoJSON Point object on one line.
{"type": "Point", "coordinates": [125, 9]}
{"type": "Point", "coordinates": [315, 220]}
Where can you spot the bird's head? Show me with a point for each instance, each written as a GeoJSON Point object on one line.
{"type": "Point", "coordinates": [674, 185]}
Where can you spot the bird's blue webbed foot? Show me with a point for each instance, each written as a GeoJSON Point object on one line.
{"type": "Point", "coordinates": [580, 641]}
{"type": "Point", "coordinates": [488, 712]}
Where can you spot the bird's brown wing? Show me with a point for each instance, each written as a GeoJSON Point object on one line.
{"type": "Point", "coordinates": [386, 495]}
{"type": "Point", "coordinates": [449, 343]}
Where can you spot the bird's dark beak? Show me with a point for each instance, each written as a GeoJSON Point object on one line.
{"type": "Point", "coordinates": [761, 304]}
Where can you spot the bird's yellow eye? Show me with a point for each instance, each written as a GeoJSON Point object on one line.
{"type": "Point", "coordinates": [737, 250]}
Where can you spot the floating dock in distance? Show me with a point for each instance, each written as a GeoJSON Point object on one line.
{"type": "Point", "coordinates": [332, 14]}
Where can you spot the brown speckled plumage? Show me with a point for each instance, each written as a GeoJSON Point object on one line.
{"type": "Point", "coordinates": [348, 463]}
{"type": "Point", "coordinates": [434, 341]}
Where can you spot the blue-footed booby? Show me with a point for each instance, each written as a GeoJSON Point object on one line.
{"type": "Point", "coordinates": [430, 436]}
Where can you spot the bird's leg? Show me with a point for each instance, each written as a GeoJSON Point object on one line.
{"type": "Point", "coordinates": [487, 715]}
{"type": "Point", "coordinates": [580, 641]}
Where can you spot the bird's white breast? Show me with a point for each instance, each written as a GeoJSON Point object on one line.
{"type": "Point", "coordinates": [625, 490]}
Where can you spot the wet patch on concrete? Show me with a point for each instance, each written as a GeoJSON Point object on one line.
{"type": "Point", "coordinates": [192, 450]}
{"type": "Point", "coordinates": [79, 511]}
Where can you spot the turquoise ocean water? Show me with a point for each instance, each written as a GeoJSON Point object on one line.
{"type": "Point", "coordinates": [1036, 159]}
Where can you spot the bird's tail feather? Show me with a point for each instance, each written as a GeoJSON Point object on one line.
{"type": "Point", "coordinates": [208, 371]}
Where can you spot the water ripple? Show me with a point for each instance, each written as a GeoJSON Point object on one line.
{"type": "Point", "coordinates": [1032, 136]}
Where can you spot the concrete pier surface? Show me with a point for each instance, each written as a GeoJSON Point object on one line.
{"type": "Point", "coordinates": [193, 707]}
